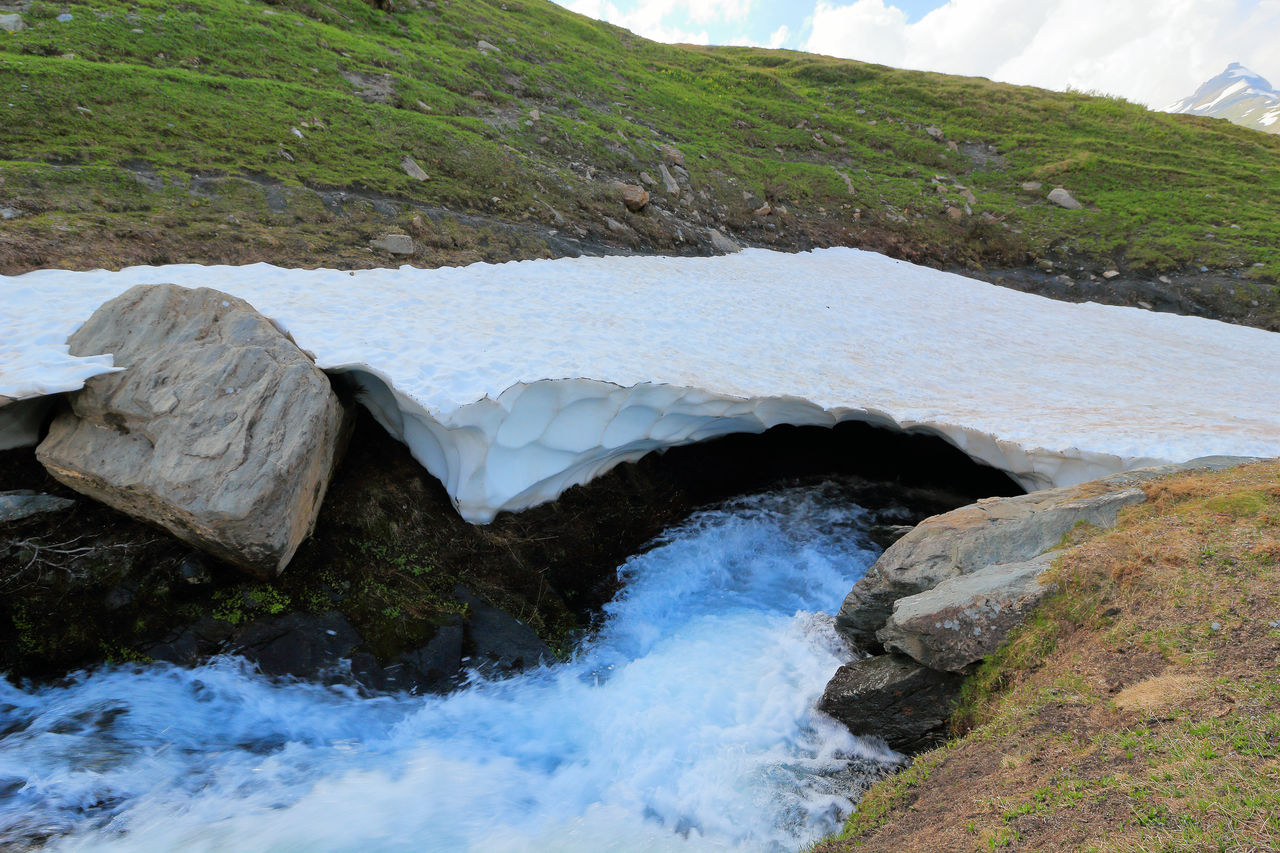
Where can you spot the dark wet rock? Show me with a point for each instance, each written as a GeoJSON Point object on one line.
{"type": "Point", "coordinates": [220, 429]}
{"type": "Point", "coordinates": [192, 643]}
{"type": "Point", "coordinates": [893, 697]}
{"type": "Point", "coordinates": [497, 642]}
{"type": "Point", "coordinates": [21, 504]}
{"type": "Point", "coordinates": [434, 668]}
{"type": "Point", "coordinates": [299, 644]}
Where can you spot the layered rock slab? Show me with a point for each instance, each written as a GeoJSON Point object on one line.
{"type": "Point", "coordinates": [963, 541]}
{"type": "Point", "coordinates": [962, 620]}
{"type": "Point", "coordinates": [220, 429]}
{"type": "Point", "coordinates": [991, 534]}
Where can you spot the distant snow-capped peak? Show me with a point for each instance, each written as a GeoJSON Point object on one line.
{"type": "Point", "coordinates": [1238, 95]}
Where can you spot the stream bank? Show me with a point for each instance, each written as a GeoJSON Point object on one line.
{"type": "Point", "coordinates": [392, 567]}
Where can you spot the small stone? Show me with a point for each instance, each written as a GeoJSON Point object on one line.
{"type": "Point", "coordinates": [535, 115]}
{"type": "Point", "coordinates": [633, 196]}
{"type": "Point", "coordinates": [12, 23]}
{"type": "Point", "coordinates": [646, 178]}
{"type": "Point", "coordinates": [936, 133]}
{"type": "Point", "coordinates": [614, 225]}
{"type": "Point", "coordinates": [1062, 198]}
{"type": "Point", "coordinates": [296, 132]}
{"type": "Point", "coordinates": [1146, 306]}
{"type": "Point", "coordinates": [395, 244]}
{"type": "Point", "coordinates": [671, 154]}
{"type": "Point", "coordinates": [485, 47]}
{"type": "Point", "coordinates": [1215, 627]}
{"type": "Point", "coordinates": [763, 210]}
{"type": "Point", "coordinates": [412, 169]}
{"type": "Point", "coordinates": [1164, 279]}
{"type": "Point", "coordinates": [9, 213]}
{"type": "Point", "coordinates": [1032, 186]}
{"type": "Point", "coordinates": [65, 17]}
{"type": "Point", "coordinates": [723, 244]}
{"type": "Point", "coordinates": [425, 107]}
{"type": "Point", "coordinates": [955, 214]}
{"type": "Point", "coordinates": [1110, 274]}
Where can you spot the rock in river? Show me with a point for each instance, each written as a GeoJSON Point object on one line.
{"type": "Point", "coordinates": [893, 697]}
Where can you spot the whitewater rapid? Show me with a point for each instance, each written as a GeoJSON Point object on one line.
{"type": "Point", "coordinates": [686, 723]}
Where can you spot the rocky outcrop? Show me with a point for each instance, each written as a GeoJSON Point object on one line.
{"type": "Point", "coordinates": [946, 595]}
{"type": "Point", "coordinates": [893, 697]}
{"type": "Point", "coordinates": [221, 430]}
{"type": "Point", "coordinates": [964, 619]}
{"type": "Point", "coordinates": [990, 532]}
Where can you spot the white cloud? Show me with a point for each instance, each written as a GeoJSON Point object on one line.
{"type": "Point", "coordinates": [661, 20]}
{"type": "Point", "coordinates": [1154, 53]}
{"type": "Point", "coordinates": [779, 36]}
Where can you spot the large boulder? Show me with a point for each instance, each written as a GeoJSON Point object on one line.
{"type": "Point", "coordinates": [221, 430]}
{"type": "Point", "coordinates": [991, 532]}
{"type": "Point", "coordinates": [962, 620]}
{"type": "Point", "coordinates": [996, 530]}
{"type": "Point", "coordinates": [893, 697]}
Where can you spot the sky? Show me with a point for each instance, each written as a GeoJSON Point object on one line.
{"type": "Point", "coordinates": [1152, 52]}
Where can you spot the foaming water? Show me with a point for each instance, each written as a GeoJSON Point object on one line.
{"type": "Point", "coordinates": [686, 723]}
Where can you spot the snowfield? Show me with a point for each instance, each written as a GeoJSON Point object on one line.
{"type": "Point", "coordinates": [513, 382]}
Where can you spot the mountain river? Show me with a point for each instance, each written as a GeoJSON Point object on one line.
{"type": "Point", "coordinates": [685, 723]}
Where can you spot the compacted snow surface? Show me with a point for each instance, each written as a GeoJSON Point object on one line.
{"type": "Point", "coordinates": [513, 382]}
{"type": "Point", "coordinates": [686, 724]}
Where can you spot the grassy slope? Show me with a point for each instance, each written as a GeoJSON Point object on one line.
{"type": "Point", "coordinates": [216, 87]}
{"type": "Point", "coordinates": [1139, 710]}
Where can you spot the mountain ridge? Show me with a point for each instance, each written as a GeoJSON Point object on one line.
{"type": "Point", "coordinates": [1238, 95]}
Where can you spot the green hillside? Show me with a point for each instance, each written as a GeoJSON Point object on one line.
{"type": "Point", "coordinates": [238, 130]}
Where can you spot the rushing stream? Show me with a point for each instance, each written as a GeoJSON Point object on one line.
{"type": "Point", "coordinates": [685, 724]}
